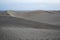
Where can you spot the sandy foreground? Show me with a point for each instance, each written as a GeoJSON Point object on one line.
{"type": "Point", "coordinates": [15, 33]}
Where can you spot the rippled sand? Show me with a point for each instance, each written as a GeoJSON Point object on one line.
{"type": "Point", "coordinates": [15, 33]}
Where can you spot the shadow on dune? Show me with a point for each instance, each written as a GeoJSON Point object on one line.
{"type": "Point", "coordinates": [8, 21]}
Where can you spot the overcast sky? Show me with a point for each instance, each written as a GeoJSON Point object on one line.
{"type": "Point", "coordinates": [29, 4]}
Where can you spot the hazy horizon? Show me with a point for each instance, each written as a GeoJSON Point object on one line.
{"type": "Point", "coordinates": [30, 5]}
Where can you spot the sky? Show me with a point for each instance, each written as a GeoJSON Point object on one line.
{"type": "Point", "coordinates": [29, 4]}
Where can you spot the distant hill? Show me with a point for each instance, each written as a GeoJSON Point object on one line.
{"type": "Point", "coordinates": [4, 13]}
{"type": "Point", "coordinates": [9, 21]}
{"type": "Point", "coordinates": [49, 17]}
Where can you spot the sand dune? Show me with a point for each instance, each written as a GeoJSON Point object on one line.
{"type": "Point", "coordinates": [29, 26]}
{"type": "Point", "coordinates": [50, 17]}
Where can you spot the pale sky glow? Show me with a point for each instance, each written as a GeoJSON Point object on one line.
{"type": "Point", "coordinates": [29, 4]}
{"type": "Point", "coordinates": [31, 1]}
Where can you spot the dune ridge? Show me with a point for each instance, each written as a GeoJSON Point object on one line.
{"type": "Point", "coordinates": [49, 17]}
